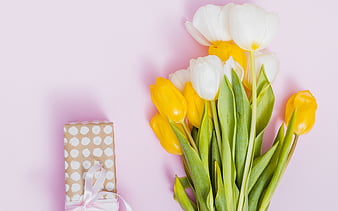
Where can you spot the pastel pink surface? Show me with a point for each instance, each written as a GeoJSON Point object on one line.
{"type": "Point", "coordinates": [87, 60]}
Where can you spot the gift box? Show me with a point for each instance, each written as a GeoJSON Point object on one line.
{"type": "Point", "coordinates": [87, 144]}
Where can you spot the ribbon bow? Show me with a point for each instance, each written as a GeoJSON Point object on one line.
{"type": "Point", "coordinates": [93, 197]}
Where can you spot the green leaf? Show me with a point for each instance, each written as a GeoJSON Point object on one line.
{"type": "Point", "coordinates": [258, 189]}
{"type": "Point", "coordinates": [194, 133]}
{"type": "Point", "coordinates": [258, 144]}
{"type": "Point", "coordinates": [220, 201]}
{"type": "Point", "coordinates": [281, 165]}
{"type": "Point", "coordinates": [235, 193]}
{"type": "Point", "coordinates": [227, 117]}
{"type": "Point", "coordinates": [243, 115]}
{"type": "Point", "coordinates": [265, 102]}
{"type": "Point", "coordinates": [187, 172]}
{"type": "Point", "coordinates": [204, 137]}
{"type": "Point", "coordinates": [181, 196]}
{"type": "Point", "coordinates": [185, 182]}
{"type": "Point", "coordinates": [265, 178]}
{"type": "Point", "coordinates": [198, 173]}
{"type": "Point", "coordinates": [210, 201]}
{"type": "Point", "coordinates": [228, 168]}
{"type": "Point", "coordinates": [215, 157]}
{"type": "Point", "coordinates": [226, 112]}
{"type": "Point", "coordinates": [246, 204]}
{"type": "Point", "coordinates": [259, 165]}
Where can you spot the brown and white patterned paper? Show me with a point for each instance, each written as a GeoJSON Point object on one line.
{"type": "Point", "coordinates": [85, 144]}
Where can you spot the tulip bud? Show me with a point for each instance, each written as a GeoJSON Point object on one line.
{"type": "Point", "coordinates": [165, 134]}
{"type": "Point", "coordinates": [206, 75]}
{"type": "Point", "coordinates": [305, 104]}
{"type": "Point", "coordinates": [251, 27]}
{"type": "Point", "coordinates": [180, 78]}
{"type": "Point", "coordinates": [195, 105]}
{"type": "Point", "coordinates": [168, 100]}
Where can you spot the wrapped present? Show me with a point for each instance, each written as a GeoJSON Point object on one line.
{"type": "Point", "coordinates": [88, 144]}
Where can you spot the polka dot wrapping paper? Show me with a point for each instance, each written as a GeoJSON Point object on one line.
{"type": "Point", "coordinates": [86, 144]}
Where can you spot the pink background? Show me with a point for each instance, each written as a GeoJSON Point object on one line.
{"type": "Point", "coordinates": [86, 60]}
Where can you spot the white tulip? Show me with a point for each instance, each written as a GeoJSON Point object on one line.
{"type": "Point", "coordinates": [251, 27]}
{"type": "Point", "coordinates": [180, 78]}
{"type": "Point", "coordinates": [271, 65]}
{"type": "Point", "coordinates": [210, 23]}
{"type": "Point", "coordinates": [232, 64]}
{"type": "Point", "coordinates": [206, 75]}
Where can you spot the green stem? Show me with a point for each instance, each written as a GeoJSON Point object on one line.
{"type": "Point", "coordinates": [190, 138]}
{"type": "Point", "coordinates": [279, 171]}
{"type": "Point", "coordinates": [216, 124]}
{"type": "Point", "coordinates": [248, 159]}
{"type": "Point", "coordinates": [295, 141]}
{"type": "Point", "coordinates": [292, 150]}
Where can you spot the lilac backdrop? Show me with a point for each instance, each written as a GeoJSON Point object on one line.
{"type": "Point", "coordinates": [85, 60]}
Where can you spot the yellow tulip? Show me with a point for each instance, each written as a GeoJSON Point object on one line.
{"type": "Point", "coordinates": [306, 106]}
{"type": "Point", "coordinates": [195, 105]}
{"type": "Point", "coordinates": [165, 134]}
{"type": "Point", "coordinates": [225, 49]}
{"type": "Point", "coordinates": [168, 100]}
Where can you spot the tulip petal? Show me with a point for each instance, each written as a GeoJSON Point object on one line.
{"type": "Point", "coordinates": [195, 105]}
{"type": "Point", "coordinates": [168, 100]}
{"type": "Point", "coordinates": [206, 74]}
{"type": "Point", "coordinates": [165, 134]}
{"type": "Point", "coordinates": [223, 24]}
{"type": "Point", "coordinates": [212, 22]}
{"type": "Point", "coordinates": [272, 24]}
{"type": "Point", "coordinates": [198, 36]}
{"type": "Point", "coordinates": [251, 27]}
{"type": "Point", "coordinates": [305, 104]}
{"type": "Point", "coordinates": [180, 78]}
{"type": "Point", "coordinates": [232, 64]}
{"type": "Point", "coordinates": [271, 65]}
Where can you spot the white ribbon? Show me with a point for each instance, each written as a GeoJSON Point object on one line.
{"type": "Point", "coordinates": [93, 197]}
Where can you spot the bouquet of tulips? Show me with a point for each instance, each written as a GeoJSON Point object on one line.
{"type": "Point", "coordinates": [215, 112]}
